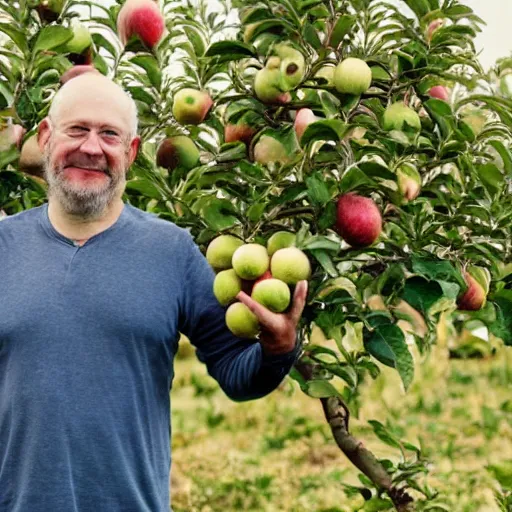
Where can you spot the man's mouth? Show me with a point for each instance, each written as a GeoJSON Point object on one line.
{"type": "Point", "coordinates": [88, 169]}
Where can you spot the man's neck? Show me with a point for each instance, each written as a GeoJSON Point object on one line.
{"type": "Point", "coordinates": [78, 228]}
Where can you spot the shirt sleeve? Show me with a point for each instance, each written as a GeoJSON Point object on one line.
{"type": "Point", "coordinates": [239, 365]}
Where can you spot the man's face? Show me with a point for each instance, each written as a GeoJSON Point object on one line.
{"type": "Point", "coordinates": [88, 152]}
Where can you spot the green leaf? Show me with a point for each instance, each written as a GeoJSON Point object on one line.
{"type": "Point", "coordinates": [342, 27]}
{"type": "Point", "coordinates": [325, 260]}
{"type": "Point", "coordinates": [320, 389]}
{"type": "Point", "coordinates": [437, 270]}
{"type": "Point", "coordinates": [387, 344]}
{"type": "Point", "coordinates": [145, 187]}
{"type": "Point", "coordinates": [320, 242]}
{"type": "Point", "coordinates": [504, 154]}
{"type": "Point", "coordinates": [353, 179]}
{"type": "Point", "coordinates": [318, 191]}
{"type": "Point", "coordinates": [421, 294]}
{"type": "Point", "coordinates": [327, 129]}
{"type": "Point", "coordinates": [311, 36]}
{"type": "Point", "coordinates": [491, 177]}
{"type": "Point", "coordinates": [52, 36]}
{"type": "Point", "coordinates": [218, 213]}
{"type": "Point", "coordinates": [150, 65]}
{"type": "Point", "coordinates": [384, 434]}
{"type": "Point", "coordinates": [375, 170]}
{"type": "Point", "coordinates": [230, 50]}
{"type": "Point", "coordinates": [19, 37]}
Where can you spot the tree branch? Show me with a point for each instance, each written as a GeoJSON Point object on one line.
{"type": "Point", "coordinates": [337, 416]}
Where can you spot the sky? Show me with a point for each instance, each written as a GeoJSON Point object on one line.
{"type": "Point", "coordinates": [495, 41]}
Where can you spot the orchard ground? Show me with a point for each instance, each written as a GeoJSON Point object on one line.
{"type": "Point", "coordinates": [277, 454]}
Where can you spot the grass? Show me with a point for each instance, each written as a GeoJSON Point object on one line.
{"type": "Point", "coordinates": [277, 453]}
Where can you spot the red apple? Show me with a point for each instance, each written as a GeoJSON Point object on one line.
{"type": "Point", "coordinates": [474, 297]}
{"type": "Point", "coordinates": [433, 26]}
{"type": "Point", "coordinates": [141, 18]}
{"type": "Point", "coordinates": [440, 92]}
{"type": "Point", "coordinates": [358, 220]}
{"type": "Point", "coordinates": [304, 117]}
{"type": "Point", "coordinates": [239, 132]}
{"type": "Point", "coordinates": [190, 106]}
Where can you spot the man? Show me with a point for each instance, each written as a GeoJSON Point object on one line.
{"type": "Point", "coordinates": [94, 295]}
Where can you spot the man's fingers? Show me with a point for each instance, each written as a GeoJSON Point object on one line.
{"type": "Point", "coordinates": [265, 316]}
{"type": "Point", "coordinates": [299, 301]}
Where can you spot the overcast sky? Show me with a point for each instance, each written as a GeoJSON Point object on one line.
{"type": "Point", "coordinates": [496, 39]}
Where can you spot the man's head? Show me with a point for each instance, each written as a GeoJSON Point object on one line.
{"type": "Point", "coordinates": [89, 140]}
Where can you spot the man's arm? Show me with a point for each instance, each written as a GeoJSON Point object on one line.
{"type": "Point", "coordinates": [245, 369]}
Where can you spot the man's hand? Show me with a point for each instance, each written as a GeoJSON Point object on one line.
{"type": "Point", "coordinates": [278, 330]}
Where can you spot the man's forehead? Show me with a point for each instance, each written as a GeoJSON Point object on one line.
{"type": "Point", "coordinates": [96, 98]}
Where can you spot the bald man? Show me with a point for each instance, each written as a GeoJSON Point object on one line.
{"type": "Point", "coordinates": [95, 294]}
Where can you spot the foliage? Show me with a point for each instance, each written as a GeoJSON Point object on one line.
{"type": "Point", "coordinates": [462, 216]}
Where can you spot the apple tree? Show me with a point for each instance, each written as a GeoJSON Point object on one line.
{"type": "Point", "coordinates": [358, 127]}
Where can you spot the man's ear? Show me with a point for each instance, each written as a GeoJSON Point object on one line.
{"type": "Point", "coordinates": [43, 133]}
{"type": "Point", "coordinates": [134, 149]}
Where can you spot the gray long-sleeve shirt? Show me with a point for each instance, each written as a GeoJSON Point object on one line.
{"type": "Point", "coordinates": [87, 341]}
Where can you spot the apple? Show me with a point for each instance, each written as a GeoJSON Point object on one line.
{"type": "Point", "coordinates": [50, 10]}
{"type": "Point", "coordinates": [358, 220]}
{"type": "Point", "coordinates": [268, 150]}
{"type": "Point", "coordinates": [239, 132]}
{"type": "Point", "coordinates": [326, 72]}
{"type": "Point", "coordinates": [31, 158]}
{"type": "Point", "coordinates": [280, 240]}
{"type": "Point", "coordinates": [77, 71]}
{"type": "Point", "coordinates": [226, 286]}
{"type": "Point", "coordinates": [409, 181]}
{"type": "Point", "coordinates": [352, 76]}
{"type": "Point", "coordinates": [272, 293]}
{"type": "Point", "coordinates": [190, 106]}
{"type": "Point", "coordinates": [475, 119]}
{"type": "Point", "coordinates": [433, 27]}
{"type": "Point", "coordinates": [250, 261]}
{"type": "Point", "coordinates": [440, 92]}
{"type": "Point", "coordinates": [268, 83]}
{"type": "Point", "coordinates": [290, 265]}
{"type": "Point", "coordinates": [179, 150]}
{"type": "Point", "coordinates": [11, 135]}
{"type": "Point", "coordinates": [398, 116]}
{"type": "Point", "coordinates": [220, 251]}
{"type": "Point", "coordinates": [304, 117]}
{"type": "Point", "coordinates": [80, 41]}
{"type": "Point", "coordinates": [241, 321]}
{"type": "Point", "coordinates": [292, 66]}
{"type": "Point", "coordinates": [474, 297]}
{"type": "Point", "coordinates": [143, 19]}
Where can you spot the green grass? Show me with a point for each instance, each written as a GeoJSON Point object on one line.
{"type": "Point", "coordinates": [277, 453]}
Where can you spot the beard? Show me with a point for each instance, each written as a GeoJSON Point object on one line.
{"type": "Point", "coordinates": [88, 201]}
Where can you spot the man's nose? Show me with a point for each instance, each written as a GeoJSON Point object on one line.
{"type": "Point", "coordinates": [91, 145]}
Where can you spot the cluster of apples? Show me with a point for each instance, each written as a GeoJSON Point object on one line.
{"type": "Point", "coordinates": [266, 273]}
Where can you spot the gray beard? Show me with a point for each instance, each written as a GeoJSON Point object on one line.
{"type": "Point", "coordinates": [88, 203]}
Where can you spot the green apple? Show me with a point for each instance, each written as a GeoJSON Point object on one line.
{"type": "Point", "coordinates": [272, 293]}
{"type": "Point", "coordinates": [409, 181]}
{"type": "Point", "coordinates": [292, 66]}
{"type": "Point", "coordinates": [352, 76]}
{"type": "Point", "coordinates": [290, 265]}
{"type": "Point", "coordinates": [191, 106]}
{"type": "Point", "coordinates": [81, 39]}
{"type": "Point", "coordinates": [267, 83]}
{"type": "Point", "coordinates": [241, 321]}
{"type": "Point", "coordinates": [177, 151]}
{"type": "Point", "coordinates": [398, 115]}
{"type": "Point", "coordinates": [250, 261]}
{"type": "Point", "coordinates": [226, 286]}
{"type": "Point", "coordinates": [326, 72]}
{"type": "Point", "coordinates": [268, 150]}
{"type": "Point", "coordinates": [280, 240]}
{"type": "Point", "coordinates": [220, 251]}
